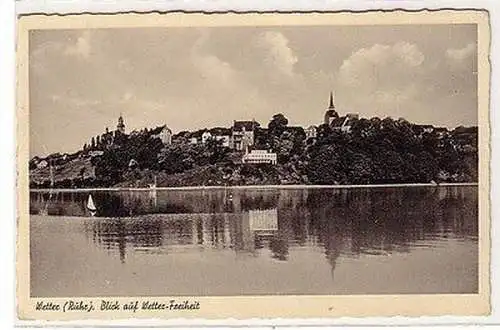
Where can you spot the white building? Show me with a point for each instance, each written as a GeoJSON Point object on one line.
{"type": "Point", "coordinates": [260, 157]}
{"type": "Point", "coordinates": [193, 140]}
{"type": "Point", "coordinates": [347, 124]}
{"type": "Point", "coordinates": [311, 132]}
{"type": "Point", "coordinates": [42, 164]}
{"type": "Point", "coordinates": [205, 137]}
{"type": "Point", "coordinates": [165, 135]}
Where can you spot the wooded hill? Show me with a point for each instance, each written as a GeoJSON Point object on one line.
{"type": "Point", "coordinates": [375, 151]}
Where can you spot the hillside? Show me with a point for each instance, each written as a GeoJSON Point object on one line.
{"type": "Point", "coordinates": [373, 151]}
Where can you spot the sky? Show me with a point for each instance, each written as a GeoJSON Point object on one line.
{"type": "Point", "coordinates": [191, 78]}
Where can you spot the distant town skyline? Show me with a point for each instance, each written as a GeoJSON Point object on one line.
{"type": "Point", "coordinates": [192, 78]}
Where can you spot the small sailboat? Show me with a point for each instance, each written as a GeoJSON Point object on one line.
{"type": "Point", "coordinates": [91, 206]}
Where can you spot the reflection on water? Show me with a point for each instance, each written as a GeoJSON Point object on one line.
{"type": "Point", "coordinates": [339, 224]}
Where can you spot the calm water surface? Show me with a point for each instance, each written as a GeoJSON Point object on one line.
{"type": "Point", "coordinates": [236, 242]}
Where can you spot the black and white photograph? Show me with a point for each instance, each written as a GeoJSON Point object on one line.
{"type": "Point", "coordinates": [239, 160]}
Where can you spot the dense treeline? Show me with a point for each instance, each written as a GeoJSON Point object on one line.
{"type": "Point", "coordinates": [388, 151]}
{"type": "Point", "coordinates": [373, 151]}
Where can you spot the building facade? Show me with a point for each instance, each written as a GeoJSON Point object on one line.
{"type": "Point", "coordinates": [243, 134]}
{"type": "Point", "coordinates": [336, 122]}
{"type": "Point", "coordinates": [164, 134]}
{"type": "Point", "coordinates": [330, 113]}
{"type": "Point", "coordinates": [225, 140]}
{"type": "Point", "coordinates": [121, 125]}
{"type": "Point", "coordinates": [311, 132]}
{"type": "Point", "coordinates": [260, 157]}
{"type": "Point", "coordinates": [205, 137]}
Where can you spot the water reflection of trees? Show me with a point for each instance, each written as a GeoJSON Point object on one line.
{"type": "Point", "coordinates": [343, 222]}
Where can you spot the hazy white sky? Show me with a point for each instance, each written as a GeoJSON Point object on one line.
{"type": "Point", "coordinates": [191, 78]}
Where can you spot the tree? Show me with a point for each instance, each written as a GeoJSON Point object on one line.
{"type": "Point", "coordinates": [92, 143]}
{"type": "Point", "coordinates": [277, 124]}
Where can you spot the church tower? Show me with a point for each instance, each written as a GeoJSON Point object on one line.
{"type": "Point", "coordinates": [121, 126]}
{"type": "Point", "coordinates": [330, 113]}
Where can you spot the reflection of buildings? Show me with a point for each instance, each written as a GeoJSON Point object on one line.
{"type": "Point", "coordinates": [263, 221]}
{"type": "Point", "coordinates": [341, 222]}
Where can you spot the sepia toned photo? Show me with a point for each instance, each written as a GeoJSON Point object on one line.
{"type": "Point", "coordinates": [192, 165]}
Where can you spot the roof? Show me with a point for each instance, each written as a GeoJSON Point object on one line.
{"type": "Point", "coordinates": [248, 125]}
{"type": "Point", "coordinates": [219, 131]}
{"type": "Point", "coordinates": [331, 113]}
{"type": "Point", "coordinates": [198, 133]}
{"type": "Point", "coordinates": [337, 122]}
{"type": "Point", "coordinates": [159, 129]}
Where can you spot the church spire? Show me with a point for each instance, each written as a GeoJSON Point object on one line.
{"type": "Point", "coordinates": [121, 126]}
{"type": "Point", "coordinates": [331, 106]}
{"type": "Point", "coordinates": [330, 113]}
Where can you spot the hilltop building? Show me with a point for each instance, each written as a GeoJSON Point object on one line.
{"type": "Point", "coordinates": [164, 134]}
{"type": "Point", "coordinates": [330, 113]}
{"type": "Point", "coordinates": [205, 137]}
{"type": "Point", "coordinates": [121, 126]}
{"type": "Point", "coordinates": [243, 134]}
{"type": "Point", "coordinates": [344, 123]}
{"type": "Point", "coordinates": [260, 157]}
{"type": "Point", "coordinates": [336, 122]}
{"type": "Point", "coordinates": [311, 132]}
{"type": "Point", "coordinates": [222, 134]}
{"type": "Point", "coordinates": [217, 133]}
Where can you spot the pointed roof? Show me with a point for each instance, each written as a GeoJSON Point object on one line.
{"type": "Point", "coordinates": [331, 101]}
{"type": "Point", "coordinates": [120, 121]}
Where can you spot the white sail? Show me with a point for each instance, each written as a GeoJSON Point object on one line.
{"type": "Point", "coordinates": [90, 204]}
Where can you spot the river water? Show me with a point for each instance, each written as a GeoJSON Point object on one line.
{"type": "Point", "coordinates": [255, 242]}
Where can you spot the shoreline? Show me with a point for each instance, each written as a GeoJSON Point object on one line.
{"type": "Point", "coordinates": [261, 187]}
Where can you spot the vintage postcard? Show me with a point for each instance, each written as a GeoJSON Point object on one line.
{"type": "Point", "coordinates": [212, 166]}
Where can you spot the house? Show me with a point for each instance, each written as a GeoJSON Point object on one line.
{"type": "Point", "coordinates": [222, 134]}
{"type": "Point", "coordinates": [427, 128]}
{"type": "Point", "coordinates": [225, 140]}
{"type": "Point", "coordinates": [441, 131]}
{"type": "Point", "coordinates": [419, 130]}
{"type": "Point", "coordinates": [243, 134]}
{"type": "Point", "coordinates": [196, 137]}
{"type": "Point", "coordinates": [42, 164]}
{"type": "Point", "coordinates": [311, 132]}
{"type": "Point", "coordinates": [349, 120]}
{"type": "Point", "coordinates": [260, 157]}
{"type": "Point", "coordinates": [205, 137]}
{"type": "Point", "coordinates": [337, 123]}
{"type": "Point", "coordinates": [163, 133]}
{"type": "Point", "coordinates": [344, 123]}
